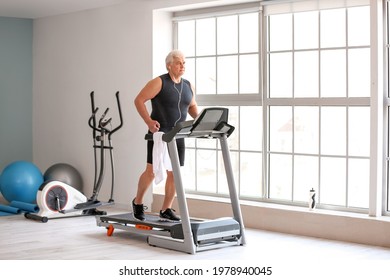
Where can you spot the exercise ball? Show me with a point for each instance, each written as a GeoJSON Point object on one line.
{"type": "Point", "coordinates": [20, 181]}
{"type": "Point", "coordinates": [65, 173]}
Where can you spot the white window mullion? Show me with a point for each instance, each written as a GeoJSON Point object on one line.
{"type": "Point", "coordinates": [264, 93]}
{"type": "Point", "coordinates": [376, 128]}
{"type": "Point", "coordinates": [386, 137]}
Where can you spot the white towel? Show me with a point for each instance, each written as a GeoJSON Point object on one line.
{"type": "Point", "coordinates": [161, 160]}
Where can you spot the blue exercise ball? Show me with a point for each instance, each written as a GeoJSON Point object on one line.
{"type": "Point", "coordinates": [20, 181]}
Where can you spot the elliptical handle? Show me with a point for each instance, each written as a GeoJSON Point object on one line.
{"type": "Point", "coordinates": [120, 116]}
{"type": "Point", "coordinates": [104, 114]}
{"type": "Point", "coordinates": [92, 119]}
{"type": "Point", "coordinates": [92, 94]}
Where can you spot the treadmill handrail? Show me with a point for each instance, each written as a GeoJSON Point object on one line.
{"type": "Point", "coordinates": [194, 128]}
{"type": "Point", "coordinates": [181, 129]}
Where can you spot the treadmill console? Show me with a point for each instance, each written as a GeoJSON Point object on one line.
{"type": "Point", "coordinates": [210, 123]}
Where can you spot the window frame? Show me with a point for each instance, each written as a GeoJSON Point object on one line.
{"type": "Point", "coordinates": [262, 99]}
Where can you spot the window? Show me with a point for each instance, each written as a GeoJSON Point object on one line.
{"type": "Point", "coordinates": [223, 62]}
{"type": "Point", "coordinates": [318, 128]}
{"type": "Point", "coordinates": [301, 105]}
{"type": "Point", "coordinates": [204, 170]}
{"type": "Point", "coordinates": [222, 53]}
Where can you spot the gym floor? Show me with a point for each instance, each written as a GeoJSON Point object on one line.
{"type": "Point", "coordinates": [81, 239]}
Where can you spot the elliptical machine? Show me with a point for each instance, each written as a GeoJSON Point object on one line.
{"type": "Point", "coordinates": [57, 199]}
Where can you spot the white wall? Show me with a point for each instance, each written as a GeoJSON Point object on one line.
{"type": "Point", "coordinates": [103, 50]}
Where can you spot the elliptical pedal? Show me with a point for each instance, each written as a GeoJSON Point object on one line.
{"type": "Point", "coordinates": [94, 212]}
{"type": "Point", "coordinates": [88, 205]}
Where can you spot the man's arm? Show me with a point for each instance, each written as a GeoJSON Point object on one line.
{"type": "Point", "coordinates": [151, 89]}
{"type": "Point", "coordinates": [193, 107]}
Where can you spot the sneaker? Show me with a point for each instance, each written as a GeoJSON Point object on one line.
{"type": "Point", "coordinates": [138, 211]}
{"type": "Point", "coordinates": [169, 215]}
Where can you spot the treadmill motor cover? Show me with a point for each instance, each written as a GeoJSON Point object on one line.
{"type": "Point", "coordinates": [210, 230]}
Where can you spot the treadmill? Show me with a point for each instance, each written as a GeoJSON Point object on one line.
{"type": "Point", "coordinates": [189, 235]}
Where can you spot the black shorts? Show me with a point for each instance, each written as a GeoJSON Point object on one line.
{"type": "Point", "coordinates": [180, 150]}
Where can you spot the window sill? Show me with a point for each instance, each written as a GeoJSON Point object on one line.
{"type": "Point", "coordinates": [318, 223]}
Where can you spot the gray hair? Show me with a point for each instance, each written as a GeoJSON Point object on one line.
{"type": "Point", "coordinates": [172, 55]}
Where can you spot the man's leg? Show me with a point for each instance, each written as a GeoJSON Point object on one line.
{"type": "Point", "coordinates": [145, 180]}
{"type": "Point", "coordinates": [170, 191]}
{"type": "Point", "coordinates": [167, 212]}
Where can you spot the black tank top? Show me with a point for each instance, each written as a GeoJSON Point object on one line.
{"type": "Point", "coordinates": [170, 105]}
